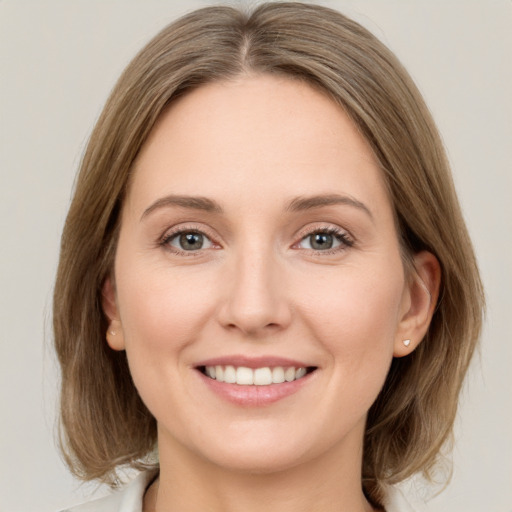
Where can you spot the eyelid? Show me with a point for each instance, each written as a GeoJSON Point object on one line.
{"type": "Point", "coordinates": [342, 235]}
{"type": "Point", "coordinates": [177, 237]}
{"type": "Point", "coordinates": [184, 227]}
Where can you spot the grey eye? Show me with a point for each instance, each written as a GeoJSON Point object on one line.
{"type": "Point", "coordinates": [320, 241]}
{"type": "Point", "coordinates": [190, 241]}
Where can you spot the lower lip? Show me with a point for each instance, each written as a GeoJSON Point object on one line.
{"type": "Point", "coordinates": [254, 396]}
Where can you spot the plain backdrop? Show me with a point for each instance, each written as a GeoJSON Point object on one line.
{"type": "Point", "coordinates": [58, 62]}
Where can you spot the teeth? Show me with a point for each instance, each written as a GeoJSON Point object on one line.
{"type": "Point", "coordinates": [230, 374]}
{"type": "Point", "coordinates": [278, 375]}
{"type": "Point", "coordinates": [289, 374]}
{"type": "Point", "coordinates": [244, 376]}
{"type": "Point", "coordinates": [300, 373]}
{"type": "Point", "coordinates": [262, 376]}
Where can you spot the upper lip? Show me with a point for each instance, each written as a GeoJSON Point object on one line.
{"type": "Point", "coordinates": [253, 362]}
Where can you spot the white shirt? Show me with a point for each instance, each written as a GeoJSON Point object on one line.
{"type": "Point", "coordinates": [130, 499]}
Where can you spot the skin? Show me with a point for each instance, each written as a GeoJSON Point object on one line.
{"type": "Point", "coordinates": [256, 288]}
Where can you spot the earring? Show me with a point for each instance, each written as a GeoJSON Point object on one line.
{"type": "Point", "coordinates": [407, 342]}
{"type": "Point", "coordinates": [112, 332]}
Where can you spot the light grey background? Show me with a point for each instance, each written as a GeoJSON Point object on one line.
{"type": "Point", "coordinates": [58, 61]}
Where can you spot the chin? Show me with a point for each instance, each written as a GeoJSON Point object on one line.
{"type": "Point", "coordinates": [258, 461]}
{"type": "Point", "coordinates": [265, 450]}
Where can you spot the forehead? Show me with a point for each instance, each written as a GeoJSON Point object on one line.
{"type": "Point", "coordinates": [256, 134]}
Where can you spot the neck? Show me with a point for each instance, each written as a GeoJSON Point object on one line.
{"type": "Point", "coordinates": [187, 483]}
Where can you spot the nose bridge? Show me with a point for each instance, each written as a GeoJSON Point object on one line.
{"type": "Point", "coordinates": [257, 300]}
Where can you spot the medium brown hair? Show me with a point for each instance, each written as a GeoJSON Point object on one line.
{"type": "Point", "coordinates": [104, 422]}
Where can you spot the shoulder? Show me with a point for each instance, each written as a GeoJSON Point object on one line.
{"type": "Point", "coordinates": [128, 499]}
{"type": "Point", "coordinates": [397, 502]}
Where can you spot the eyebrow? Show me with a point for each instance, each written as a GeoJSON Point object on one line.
{"type": "Point", "coordinates": [191, 202]}
{"type": "Point", "coordinates": [318, 201]}
{"type": "Point", "coordinates": [295, 205]}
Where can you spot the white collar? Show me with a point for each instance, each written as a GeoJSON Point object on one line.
{"type": "Point", "coordinates": [130, 498]}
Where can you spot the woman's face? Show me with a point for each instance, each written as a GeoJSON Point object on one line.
{"type": "Point", "coordinates": [257, 236]}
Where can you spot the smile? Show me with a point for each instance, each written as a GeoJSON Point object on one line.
{"type": "Point", "coordinates": [255, 381]}
{"type": "Point", "coordinates": [264, 376]}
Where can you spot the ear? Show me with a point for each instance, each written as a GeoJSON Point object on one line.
{"type": "Point", "coordinates": [419, 303]}
{"type": "Point", "coordinates": [115, 336]}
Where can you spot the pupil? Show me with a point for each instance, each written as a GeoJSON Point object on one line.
{"type": "Point", "coordinates": [191, 241]}
{"type": "Point", "coordinates": [321, 241]}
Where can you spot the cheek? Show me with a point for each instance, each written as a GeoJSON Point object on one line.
{"type": "Point", "coordinates": [362, 304]}
{"type": "Point", "coordinates": [162, 309]}
{"type": "Point", "coordinates": [162, 314]}
{"type": "Point", "coordinates": [355, 318]}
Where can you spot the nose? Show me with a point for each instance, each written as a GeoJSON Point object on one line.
{"type": "Point", "coordinates": [256, 302]}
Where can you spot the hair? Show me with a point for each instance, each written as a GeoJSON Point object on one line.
{"type": "Point", "coordinates": [104, 423]}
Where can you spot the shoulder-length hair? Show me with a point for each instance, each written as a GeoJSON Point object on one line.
{"type": "Point", "coordinates": [104, 422]}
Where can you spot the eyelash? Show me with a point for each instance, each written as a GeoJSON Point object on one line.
{"type": "Point", "coordinates": [339, 234]}
{"type": "Point", "coordinates": [169, 236]}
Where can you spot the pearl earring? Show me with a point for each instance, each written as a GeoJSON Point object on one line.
{"type": "Point", "coordinates": [407, 342]}
{"type": "Point", "coordinates": [112, 332]}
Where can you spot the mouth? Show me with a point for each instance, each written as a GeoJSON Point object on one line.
{"type": "Point", "coordinates": [255, 381]}
{"type": "Point", "coordinates": [261, 376]}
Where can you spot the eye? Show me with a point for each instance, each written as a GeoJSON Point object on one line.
{"type": "Point", "coordinates": [325, 240]}
{"type": "Point", "coordinates": [188, 241]}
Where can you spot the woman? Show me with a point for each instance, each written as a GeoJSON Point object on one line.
{"type": "Point", "coordinates": [264, 272]}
